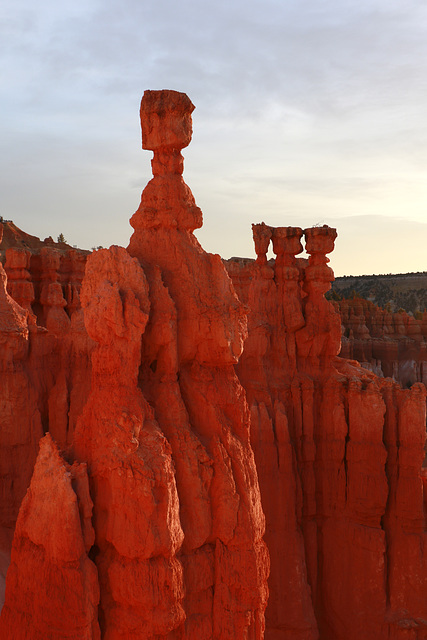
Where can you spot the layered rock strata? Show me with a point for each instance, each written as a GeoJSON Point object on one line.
{"type": "Point", "coordinates": [44, 362]}
{"type": "Point", "coordinates": [164, 433]}
{"type": "Point", "coordinates": [339, 465]}
{"type": "Point", "coordinates": [145, 496]}
{"type": "Point", "coordinates": [390, 344]}
{"type": "Point", "coordinates": [193, 338]}
{"type": "Point", "coordinates": [136, 506]}
{"type": "Point", "coordinates": [52, 586]}
{"type": "Point", "coordinates": [20, 418]}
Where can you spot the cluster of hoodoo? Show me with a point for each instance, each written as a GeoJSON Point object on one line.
{"type": "Point", "coordinates": [166, 427]}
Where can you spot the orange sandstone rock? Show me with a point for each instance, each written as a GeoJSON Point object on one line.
{"type": "Point", "coordinates": [136, 508]}
{"type": "Point", "coordinates": [194, 336]}
{"type": "Point", "coordinates": [19, 286]}
{"type": "Point", "coordinates": [20, 420]}
{"type": "Point", "coordinates": [52, 588]}
{"type": "Point", "coordinates": [177, 515]}
{"type": "Point", "coordinates": [44, 374]}
{"type": "Point", "coordinates": [389, 344]}
{"type": "Point", "coordinates": [337, 459]}
{"type": "Point", "coordinates": [140, 387]}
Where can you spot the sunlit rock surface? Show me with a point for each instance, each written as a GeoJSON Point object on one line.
{"type": "Point", "coordinates": [156, 377]}
{"type": "Point", "coordinates": [339, 454]}
{"type": "Point", "coordinates": [392, 345]}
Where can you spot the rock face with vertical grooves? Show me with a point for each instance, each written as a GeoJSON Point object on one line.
{"type": "Point", "coordinates": [339, 455]}
{"type": "Point", "coordinates": [20, 419]}
{"type": "Point", "coordinates": [164, 429]}
{"type": "Point", "coordinates": [136, 507]}
{"type": "Point", "coordinates": [52, 586]}
{"type": "Point", "coordinates": [44, 359]}
{"type": "Point", "coordinates": [145, 497]}
{"type": "Point", "coordinates": [193, 338]}
{"type": "Point", "coordinates": [389, 344]}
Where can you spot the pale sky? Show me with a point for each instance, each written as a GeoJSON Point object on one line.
{"type": "Point", "coordinates": [307, 112]}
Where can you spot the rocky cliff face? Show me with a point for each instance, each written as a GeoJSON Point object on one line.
{"type": "Point", "coordinates": [145, 505]}
{"type": "Point", "coordinates": [194, 338]}
{"type": "Point", "coordinates": [339, 465]}
{"type": "Point", "coordinates": [392, 345]}
{"type": "Point", "coordinates": [136, 506]}
{"type": "Point", "coordinates": [52, 586]}
{"type": "Point", "coordinates": [44, 360]}
{"type": "Point", "coordinates": [177, 545]}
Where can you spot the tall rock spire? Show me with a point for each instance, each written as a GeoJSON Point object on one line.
{"type": "Point", "coordinates": [193, 338]}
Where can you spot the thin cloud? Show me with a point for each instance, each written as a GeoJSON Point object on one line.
{"type": "Point", "coordinates": [304, 109]}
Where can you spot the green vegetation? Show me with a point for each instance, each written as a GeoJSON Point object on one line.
{"type": "Point", "coordinates": [390, 291]}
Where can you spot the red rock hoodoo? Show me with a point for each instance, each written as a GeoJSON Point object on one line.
{"type": "Point", "coordinates": [164, 430]}
{"type": "Point", "coordinates": [155, 409]}
{"type": "Point", "coordinates": [52, 586]}
{"type": "Point", "coordinates": [339, 455]}
{"type": "Point", "coordinates": [44, 360]}
{"type": "Point", "coordinates": [389, 344]}
{"type": "Point", "coordinates": [193, 339]}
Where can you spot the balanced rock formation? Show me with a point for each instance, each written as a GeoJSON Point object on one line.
{"type": "Point", "coordinates": [164, 429]}
{"type": "Point", "coordinates": [157, 377]}
{"type": "Point", "coordinates": [339, 465]}
{"type": "Point", "coordinates": [193, 338]}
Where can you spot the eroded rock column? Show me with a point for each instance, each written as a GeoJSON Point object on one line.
{"type": "Point", "coordinates": [193, 338]}
{"type": "Point", "coordinates": [320, 338]}
{"type": "Point", "coordinates": [52, 586]}
{"type": "Point", "coordinates": [136, 509]}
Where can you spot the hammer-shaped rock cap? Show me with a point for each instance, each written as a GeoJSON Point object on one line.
{"type": "Point", "coordinates": [166, 119]}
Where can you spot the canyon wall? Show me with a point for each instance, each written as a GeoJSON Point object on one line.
{"type": "Point", "coordinates": [339, 454]}
{"type": "Point", "coordinates": [392, 345]}
{"type": "Point", "coordinates": [44, 360]}
{"type": "Point", "coordinates": [168, 542]}
{"type": "Point", "coordinates": [133, 402]}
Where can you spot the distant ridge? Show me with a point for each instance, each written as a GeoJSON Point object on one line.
{"type": "Point", "coordinates": [13, 236]}
{"type": "Point", "coordinates": [406, 291]}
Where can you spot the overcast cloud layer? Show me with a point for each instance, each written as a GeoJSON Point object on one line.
{"type": "Point", "coordinates": [307, 112]}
